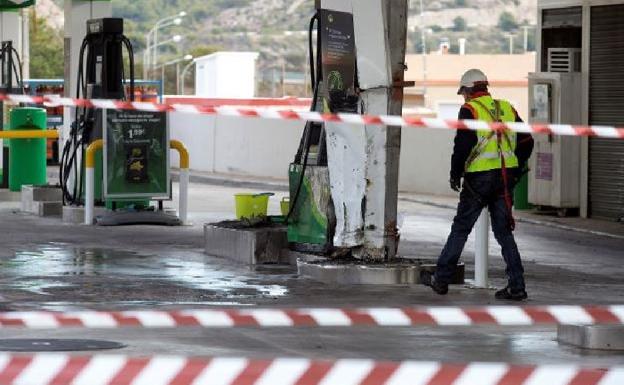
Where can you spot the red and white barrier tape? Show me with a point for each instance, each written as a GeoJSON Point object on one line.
{"type": "Point", "coordinates": [60, 369]}
{"type": "Point", "coordinates": [289, 114]}
{"type": "Point", "coordinates": [385, 317]}
{"type": "Point", "coordinates": [288, 101]}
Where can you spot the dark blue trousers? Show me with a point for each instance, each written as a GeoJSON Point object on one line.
{"type": "Point", "coordinates": [482, 189]}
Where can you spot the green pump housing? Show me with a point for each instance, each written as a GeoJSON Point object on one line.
{"type": "Point", "coordinates": [312, 214]}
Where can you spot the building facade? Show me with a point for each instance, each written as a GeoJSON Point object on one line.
{"type": "Point", "coordinates": [437, 77]}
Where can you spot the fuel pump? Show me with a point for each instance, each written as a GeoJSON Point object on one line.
{"type": "Point", "coordinates": [11, 69]}
{"type": "Point", "coordinates": [11, 82]}
{"type": "Point", "coordinates": [344, 181]}
{"type": "Point", "coordinates": [312, 219]}
{"type": "Point", "coordinates": [101, 74]}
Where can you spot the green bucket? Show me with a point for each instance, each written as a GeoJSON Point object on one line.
{"type": "Point", "coordinates": [250, 206]}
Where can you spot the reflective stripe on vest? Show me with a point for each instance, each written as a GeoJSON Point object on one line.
{"type": "Point", "coordinates": [486, 155]}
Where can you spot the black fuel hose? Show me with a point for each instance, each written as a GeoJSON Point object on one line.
{"type": "Point", "coordinates": [19, 75]}
{"type": "Point", "coordinates": [81, 130]}
{"type": "Point", "coordinates": [128, 45]}
{"type": "Point", "coordinates": [315, 77]}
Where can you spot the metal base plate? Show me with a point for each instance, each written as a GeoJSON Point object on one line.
{"type": "Point", "coordinates": [122, 218]}
{"type": "Point", "coordinates": [470, 284]}
{"type": "Point", "coordinates": [398, 273]}
{"type": "Point", "coordinates": [56, 345]}
{"type": "Point", "coordinates": [599, 337]}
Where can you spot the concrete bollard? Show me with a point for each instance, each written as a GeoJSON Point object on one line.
{"type": "Point", "coordinates": [482, 246]}
{"type": "Point", "coordinates": [184, 183]}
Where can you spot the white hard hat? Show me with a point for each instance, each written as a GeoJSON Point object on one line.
{"type": "Point", "coordinates": [472, 78]}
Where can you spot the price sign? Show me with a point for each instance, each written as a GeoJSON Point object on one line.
{"type": "Point", "coordinates": [136, 155]}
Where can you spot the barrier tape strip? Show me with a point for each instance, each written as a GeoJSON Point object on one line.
{"type": "Point", "coordinates": [290, 114]}
{"type": "Point", "coordinates": [322, 317]}
{"type": "Point", "coordinates": [61, 369]}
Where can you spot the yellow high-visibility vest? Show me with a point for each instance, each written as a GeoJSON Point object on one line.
{"type": "Point", "coordinates": [486, 154]}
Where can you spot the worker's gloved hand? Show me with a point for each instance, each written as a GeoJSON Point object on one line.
{"type": "Point", "coordinates": [455, 183]}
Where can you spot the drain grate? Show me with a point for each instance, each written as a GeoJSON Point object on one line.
{"type": "Point", "coordinates": [56, 345]}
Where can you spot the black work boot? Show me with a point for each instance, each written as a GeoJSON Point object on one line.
{"type": "Point", "coordinates": [428, 279]}
{"type": "Point", "coordinates": [511, 295]}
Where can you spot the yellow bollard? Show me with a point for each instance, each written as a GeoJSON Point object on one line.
{"type": "Point", "coordinates": [184, 178]}
{"type": "Point", "coordinates": [90, 179]}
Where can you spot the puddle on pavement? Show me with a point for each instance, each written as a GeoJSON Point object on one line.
{"type": "Point", "coordinates": [121, 305]}
{"type": "Point", "coordinates": [37, 286]}
{"type": "Point", "coordinates": [57, 266]}
{"type": "Point", "coordinates": [200, 276]}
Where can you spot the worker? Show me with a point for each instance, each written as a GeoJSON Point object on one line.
{"type": "Point", "coordinates": [490, 163]}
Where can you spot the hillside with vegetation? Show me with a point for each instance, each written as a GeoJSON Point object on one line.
{"type": "Point", "coordinates": [260, 24]}
{"type": "Point", "coordinates": [277, 28]}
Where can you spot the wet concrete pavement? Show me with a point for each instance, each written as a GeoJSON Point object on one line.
{"type": "Point", "coordinates": [531, 346]}
{"type": "Point", "coordinates": [47, 265]}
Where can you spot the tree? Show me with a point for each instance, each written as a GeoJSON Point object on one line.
{"type": "Point", "coordinates": [459, 24]}
{"type": "Point", "coordinates": [507, 22]}
{"type": "Point", "coordinates": [203, 50]}
{"type": "Point", "coordinates": [460, 3]}
{"type": "Point", "coordinates": [46, 50]}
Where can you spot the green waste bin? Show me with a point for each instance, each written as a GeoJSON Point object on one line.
{"type": "Point", "coordinates": [27, 157]}
{"type": "Point", "coordinates": [521, 194]}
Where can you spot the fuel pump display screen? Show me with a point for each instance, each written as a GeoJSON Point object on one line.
{"type": "Point", "coordinates": [338, 50]}
{"type": "Point", "coordinates": [136, 155]}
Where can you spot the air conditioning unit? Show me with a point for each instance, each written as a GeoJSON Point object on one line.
{"type": "Point", "coordinates": [564, 60]}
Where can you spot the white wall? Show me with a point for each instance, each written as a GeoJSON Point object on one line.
{"type": "Point", "coordinates": [197, 133]}
{"type": "Point", "coordinates": [10, 28]}
{"type": "Point", "coordinates": [265, 148]}
{"type": "Point", "coordinates": [425, 161]}
{"type": "Point", "coordinates": [241, 146]}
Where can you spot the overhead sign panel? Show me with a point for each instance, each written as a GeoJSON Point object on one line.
{"type": "Point", "coordinates": [14, 4]}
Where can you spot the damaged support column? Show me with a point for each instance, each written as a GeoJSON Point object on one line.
{"type": "Point", "coordinates": [380, 38]}
{"type": "Point", "coordinates": [383, 146]}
